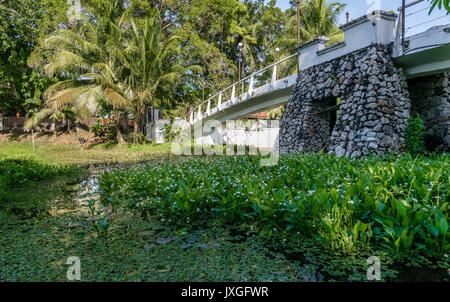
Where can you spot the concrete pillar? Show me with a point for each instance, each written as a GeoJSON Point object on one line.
{"type": "Point", "coordinates": [250, 87]}
{"type": "Point", "coordinates": [191, 115]}
{"type": "Point", "coordinates": [1, 122]}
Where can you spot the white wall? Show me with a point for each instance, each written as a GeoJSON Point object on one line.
{"type": "Point", "coordinates": [259, 134]}
{"type": "Point", "coordinates": [376, 28]}
{"type": "Point", "coordinates": [155, 129]}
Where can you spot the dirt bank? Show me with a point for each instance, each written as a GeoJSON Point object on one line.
{"type": "Point", "coordinates": [46, 138]}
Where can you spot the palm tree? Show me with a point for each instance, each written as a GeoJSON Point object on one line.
{"type": "Point", "coordinates": [318, 18]}
{"type": "Point", "coordinates": [80, 56]}
{"type": "Point", "coordinates": [148, 61]}
{"type": "Point", "coordinates": [114, 57]}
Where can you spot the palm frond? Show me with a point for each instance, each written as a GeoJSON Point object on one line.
{"type": "Point", "coordinates": [115, 98]}
{"type": "Point", "coordinates": [87, 102]}
{"type": "Point", "coordinates": [63, 61]}
{"type": "Point", "coordinates": [61, 85]}
{"type": "Point", "coordinates": [66, 97]}
{"type": "Point", "coordinates": [38, 117]}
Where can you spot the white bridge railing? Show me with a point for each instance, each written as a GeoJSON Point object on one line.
{"type": "Point", "coordinates": [242, 90]}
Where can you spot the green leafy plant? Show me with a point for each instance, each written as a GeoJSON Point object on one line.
{"type": "Point", "coordinates": [107, 131]}
{"type": "Point", "coordinates": [440, 4]}
{"type": "Point", "coordinates": [97, 128]}
{"type": "Point", "coordinates": [170, 131]}
{"type": "Point", "coordinates": [414, 136]}
{"type": "Point", "coordinates": [102, 226]}
{"type": "Point", "coordinates": [398, 204]}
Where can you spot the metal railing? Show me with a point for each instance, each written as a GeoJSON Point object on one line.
{"type": "Point", "coordinates": [404, 25]}
{"type": "Point", "coordinates": [242, 90]}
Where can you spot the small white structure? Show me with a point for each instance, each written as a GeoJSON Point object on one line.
{"type": "Point", "coordinates": [155, 129]}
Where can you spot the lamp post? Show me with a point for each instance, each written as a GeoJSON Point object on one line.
{"type": "Point", "coordinates": [298, 24]}
{"type": "Point", "coordinates": [277, 57]}
{"type": "Point", "coordinates": [403, 22]}
{"type": "Point", "coordinates": [239, 64]}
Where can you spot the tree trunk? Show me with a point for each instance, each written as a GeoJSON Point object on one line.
{"type": "Point", "coordinates": [142, 122]}
{"type": "Point", "coordinates": [139, 119]}
{"type": "Point", "coordinates": [120, 139]}
{"type": "Point", "coordinates": [69, 124]}
{"type": "Point", "coordinates": [53, 128]}
{"type": "Point", "coordinates": [136, 129]}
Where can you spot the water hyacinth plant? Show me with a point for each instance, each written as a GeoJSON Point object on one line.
{"type": "Point", "coordinates": [395, 203]}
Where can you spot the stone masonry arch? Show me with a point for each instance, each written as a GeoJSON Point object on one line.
{"type": "Point", "coordinates": [373, 112]}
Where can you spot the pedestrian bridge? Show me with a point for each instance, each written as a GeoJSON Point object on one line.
{"type": "Point", "coordinates": [420, 55]}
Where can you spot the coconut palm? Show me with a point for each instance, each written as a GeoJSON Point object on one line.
{"type": "Point", "coordinates": [116, 57]}
{"type": "Point", "coordinates": [318, 18]}
{"type": "Point", "coordinates": [65, 114]}
{"type": "Point", "coordinates": [80, 56]}
{"type": "Point", "coordinates": [148, 61]}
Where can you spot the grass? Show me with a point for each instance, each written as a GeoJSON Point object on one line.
{"type": "Point", "coordinates": [78, 155]}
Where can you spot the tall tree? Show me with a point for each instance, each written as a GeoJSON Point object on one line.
{"type": "Point", "coordinates": [148, 61]}
{"type": "Point", "coordinates": [22, 24]}
{"type": "Point", "coordinates": [78, 55]}
{"type": "Point", "coordinates": [113, 56]}
{"type": "Point", "coordinates": [318, 18]}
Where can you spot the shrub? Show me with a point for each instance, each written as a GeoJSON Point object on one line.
{"type": "Point", "coordinates": [107, 131]}
{"type": "Point", "coordinates": [170, 131]}
{"type": "Point", "coordinates": [415, 136]}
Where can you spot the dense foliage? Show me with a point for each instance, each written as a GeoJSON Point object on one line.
{"type": "Point", "coordinates": [208, 34]}
{"type": "Point", "coordinates": [414, 136]}
{"type": "Point", "coordinates": [396, 204]}
{"type": "Point", "coordinates": [16, 174]}
{"type": "Point", "coordinates": [23, 23]}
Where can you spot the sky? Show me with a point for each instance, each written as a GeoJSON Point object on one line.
{"type": "Point", "coordinates": [419, 12]}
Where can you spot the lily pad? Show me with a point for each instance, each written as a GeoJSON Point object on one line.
{"type": "Point", "coordinates": [186, 245]}
{"type": "Point", "coordinates": [202, 245]}
{"type": "Point", "coordinates": [164, 240]}
{"type": "Point", "coordinates": [149, 246]}
{"type": "Point", "coordinates": [146, 233]}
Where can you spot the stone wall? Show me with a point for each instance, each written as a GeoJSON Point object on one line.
{"type": "Point", "coordinates": [373, 111]}
{"type": "Point", "coordinates": [430, 99]}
